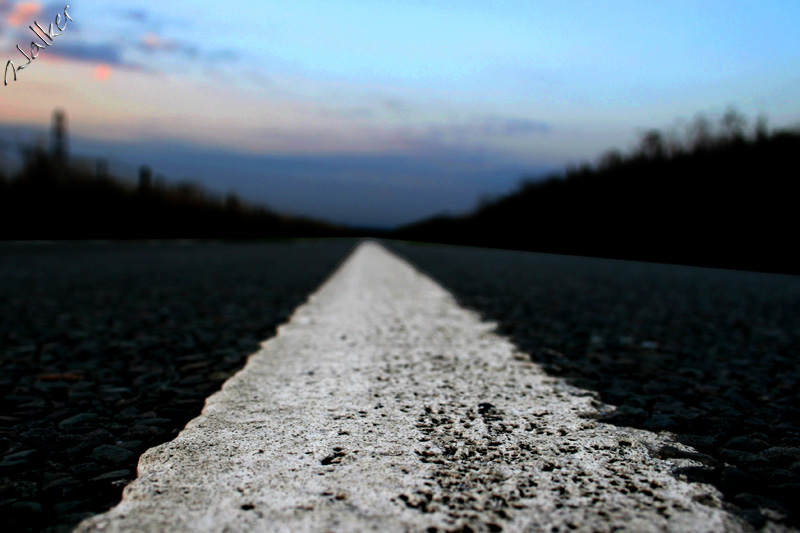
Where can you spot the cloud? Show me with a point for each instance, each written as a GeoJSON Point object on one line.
{"type": "Point", "coordinates": [345, 113]}
{"type": "Point", "coordinates": [137, 15]}
{"type": "Point", "coordinates": [106, 53]}
{"type": "Point", "coordinates": [514, 127]}
{"type": "Point", "coordinates": [23, 13]}
{"type": "Point", "coordinates": [151, 43]}
{"type": "Point", "coordinates": [395, 105]}
{"type": "Point", "coordinates": [49, 12]}
{"type": "Point", "coordinates": [110, 53]}
{"type": "Point", "coordinates": [467, 134]}
{"type": "Point", "coordinates": [468, 140]}
{"type": "Point", "coordinates": [492, 126]}
{"type": "Point", "coordinates": [115, 52]}
{"type": "Point", "coordinates": [102, 72]}
{"type": "Point", "coordinates": [258, 78]}
{"type": "Point", "coordinates": [227, 54]}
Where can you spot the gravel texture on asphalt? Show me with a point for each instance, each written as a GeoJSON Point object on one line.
{"type": "Point", "coordinates": [710, 356]}
{"type": "Point", "coordinates": [109, 349]}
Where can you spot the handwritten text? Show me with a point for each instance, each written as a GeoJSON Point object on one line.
{"type": "Point", "coordinates": [35, 46]}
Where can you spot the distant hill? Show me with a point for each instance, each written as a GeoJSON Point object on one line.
{"type": "Point", "coordinates": [722, 197]}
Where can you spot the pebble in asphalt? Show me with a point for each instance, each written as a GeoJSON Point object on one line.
{"type": "Point", "coordinates": [109, 349]}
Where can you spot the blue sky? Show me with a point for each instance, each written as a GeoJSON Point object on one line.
{"type": "Point", "coordinates": [384, 112]}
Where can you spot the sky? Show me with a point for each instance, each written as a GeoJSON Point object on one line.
{"type": "Point", "coordinates": [383, 113]}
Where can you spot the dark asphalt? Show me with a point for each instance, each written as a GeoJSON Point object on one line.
{"type": "Point", "coordinates": [711, 355]}
{"type": "Point", "coordinates": [109, 349]}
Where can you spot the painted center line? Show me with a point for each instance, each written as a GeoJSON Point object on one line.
{"type": "Point", "coordinates": [383, 405]}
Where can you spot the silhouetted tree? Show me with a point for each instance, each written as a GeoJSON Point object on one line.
{"type": "Point", "coordinates": [700, 133]}
{"type": "Point", "coordinates": [609, 160]}
{"type": "Point", "coordinates": [59, 141]}
{"type": "Point", "coordinates": [761, 128]}
{"type": "Point", "coordinates": [652, 145]}
{"type": "Point", "coordinates": [38, 165]}
{"type": "Point", "coordinates": [101, 170]}
{"type": "Point", "coordinates": [160, 183]}
{"type": "Point", "coordinates": [232, 202]}
{"type": "Point", "coordinates": [733, 125]}
{"type": "Point", "coordinates": [145, 179]}
{"type": "Point", "coordinates": [190, 192]}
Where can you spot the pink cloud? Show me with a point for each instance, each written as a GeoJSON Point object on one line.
{"type": "Point", "coordinates": [102, 72]}
{"type": "Point", "coordinates": [151, 42]}
{"type": "Point", "coordinates": [23, 13]}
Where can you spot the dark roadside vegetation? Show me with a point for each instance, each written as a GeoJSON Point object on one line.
{"type": "Point", "coordinates": [50, 198]}
{"type": "Point", "coordinates": [714, 195]}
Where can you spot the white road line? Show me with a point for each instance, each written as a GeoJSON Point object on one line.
{"type": "Point", "coordinates": [383, 405]}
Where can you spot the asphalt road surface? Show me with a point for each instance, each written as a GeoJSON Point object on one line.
{"type": "Point", "coordinates": [107, 350]}
{"type": "Point", "coordinates": [385, 406]}
{"type": "Point", "coordinates": [710, 356]}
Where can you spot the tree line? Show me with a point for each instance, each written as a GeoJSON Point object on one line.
{"type": "Point", "coordinates": [714, 193]}
{"type": "Point", "coordinates": [50, 198]}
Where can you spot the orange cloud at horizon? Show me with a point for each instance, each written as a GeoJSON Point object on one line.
{"type": "Point", "coordinates": [23, 13]}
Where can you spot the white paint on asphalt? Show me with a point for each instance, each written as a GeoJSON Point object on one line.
{"type": "Point", "coordinates": [383, 405]}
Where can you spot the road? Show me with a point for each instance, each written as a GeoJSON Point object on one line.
{"type": "Point", "coordinates": [383, 405]}
{"type": "Point", "coordinates": [108, 349]}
